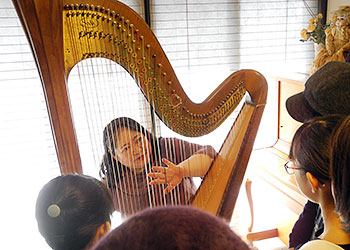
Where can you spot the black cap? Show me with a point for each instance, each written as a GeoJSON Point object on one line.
{"type": "Point", "coordinates": [327, 91]}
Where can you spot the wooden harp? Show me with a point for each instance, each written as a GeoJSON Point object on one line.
{"type": "Point", "coordinates": [110, 29]}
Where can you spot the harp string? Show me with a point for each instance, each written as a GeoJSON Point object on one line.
{"type": "Point", "coordinates": [153, 190]}
{"type": "Point", "coordinates": [79, 69]}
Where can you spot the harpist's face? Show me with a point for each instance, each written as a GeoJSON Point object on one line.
{"type": "Point", "coordinates": [132, 149]}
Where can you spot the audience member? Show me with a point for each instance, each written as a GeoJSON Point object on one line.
{"type": "Point", "coordinates": [172, 228]}
{"type": "Point", "coordinates": [340, 170]}
{"type": "Point", "coordinates": [327, 91]}
{"type": "Point", "coordinates": [73, 212]}
{"type": "Point", "coordinates": [310, 159]}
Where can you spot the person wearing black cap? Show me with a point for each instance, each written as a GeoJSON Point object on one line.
{"type": "Point", "coordinates": [326, 92]}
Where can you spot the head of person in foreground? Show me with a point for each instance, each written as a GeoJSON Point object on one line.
{"type": "Point", "coordinates": [73, 212]}
{"type": "Point", "coordinates": [172, 227]}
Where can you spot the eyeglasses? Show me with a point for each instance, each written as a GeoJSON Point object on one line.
{"type": "Point", "coordinates": [289, 167]}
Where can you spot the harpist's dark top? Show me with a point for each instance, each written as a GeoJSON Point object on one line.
{"type": "Point", "coordinates": [133, 192]}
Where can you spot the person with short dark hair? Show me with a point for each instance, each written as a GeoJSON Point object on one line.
{"type": "Point", "coordinates": [340, 170]}
{"type": "Point", "coordinates": [73, 212]}
{"type": "Point", "coordinates": [326, 92]}
{"type": "Point", "coordinates": [172, 228]}
{"type": "Point", "coordinates": [309, 162]}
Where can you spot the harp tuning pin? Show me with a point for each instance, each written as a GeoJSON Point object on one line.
{"type": "Point", "coordinates": [164, 73]}
{"type": "Point", "coordinates": [136, 31]}
{"type": "Point", "coordinates": [107, 11]}
{"type": "Point", "coordinates": [102, 9]}
{"type": "Point", "coordinates": [81, 6]}
{"type": "Point", "coordinates": [117, 15]}
{"type": "Point", "coordinates": [66, 7]}
{"type": "Point", "coordinates": [112, 13]}
{"type": "Point", "coordinates": [97, 7]}
{"type": "Point", "coordinates": [159, 64]}
{"type": "Point", "coordinates": [92, 7]}
{"type": "Point", "coordinates": [131, 25]}
{"type": "Point", "coordinates": [148, 46]}
{"type": "Point", "coordinates": [76, 6]}
{"type": "Point", "coordinates": [169, 82]}
{"type": "Point", "coordinates": [154, 55]}
{"type": "Point", "coordinates": [87, 6]}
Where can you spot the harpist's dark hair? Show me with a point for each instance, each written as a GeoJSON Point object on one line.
{"type": "Point", "coordinates": [172, 228]}
{"type": "Point", "coordinates": [340, 170]}
{"type": "Point", "coordinates": [110, 168]}
{"type": "Point", "coordinates": [310, 145]}
{"type": "Point", "coordinates": [70, 209]}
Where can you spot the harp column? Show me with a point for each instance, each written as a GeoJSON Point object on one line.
{"type": "Point", "coordinates": [47, 46]}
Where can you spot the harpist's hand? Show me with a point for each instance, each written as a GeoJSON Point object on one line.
{"type": "Point", "coordinates": [172, 175]}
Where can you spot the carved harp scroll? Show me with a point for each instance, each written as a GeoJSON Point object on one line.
{"type": "Point", "coordinates": [65, 32]}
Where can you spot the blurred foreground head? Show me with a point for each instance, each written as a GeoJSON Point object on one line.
{"type": "Point", "coordinates": [172, 227]}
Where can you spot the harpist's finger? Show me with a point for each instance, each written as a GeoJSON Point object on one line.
{"type": "Point", "coordinates": [157, 181]}
{"type": "Point", "coordinates": [158, 169]}
{"type": "Point", "coordinates": [156, 175]}
{"type": "Point", "coordinates": [167, 162]}
{"type": "Point", "coordinates": [168, 189]}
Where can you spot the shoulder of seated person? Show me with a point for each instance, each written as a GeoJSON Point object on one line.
{"type": "Point", "coordinates": [320, 244]}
